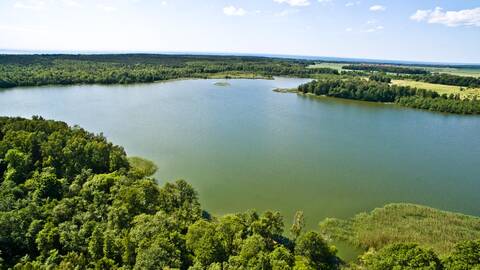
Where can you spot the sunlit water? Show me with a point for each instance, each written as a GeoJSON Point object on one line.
{"type": "Point", "coordinates": [244, 146]}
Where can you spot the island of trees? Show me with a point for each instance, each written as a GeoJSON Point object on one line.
{"type": "Point", "coordinates": [69, 199]}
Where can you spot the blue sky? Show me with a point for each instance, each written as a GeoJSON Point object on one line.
{"type": "Point", "coordinates": [416, 30]}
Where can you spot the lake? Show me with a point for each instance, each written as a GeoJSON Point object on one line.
{"type": "Point", "coordinates": [243, 146]}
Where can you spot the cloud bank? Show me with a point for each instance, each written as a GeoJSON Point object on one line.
{"type": "Point", "coordinates": [466, 17]}
{"type": "Point", "coordinates": [234, 11]}
{"type": "Point", "coordinates": [377, 8]}
{"type": "Point", "coordinates": [294, 3]}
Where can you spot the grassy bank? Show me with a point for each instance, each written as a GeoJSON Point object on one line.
{"type": "Point", "coordinates": [404, 223]}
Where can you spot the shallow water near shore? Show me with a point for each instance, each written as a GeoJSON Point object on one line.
{"type": "Point", "coordinates": [244, 146]}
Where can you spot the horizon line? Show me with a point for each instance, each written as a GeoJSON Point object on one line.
{"type": "Point", "coordinates": [225, 53]}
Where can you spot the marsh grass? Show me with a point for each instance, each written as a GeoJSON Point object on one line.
{"type": "Point", "coordinates": [404, 223]}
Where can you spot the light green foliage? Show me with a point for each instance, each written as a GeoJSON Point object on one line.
{"type": "Point", "coordinates": [281, 258]}
{"type": "Point", "coordinates": [465, 256]}
{"type": "Point", "coordinates": [402, 257]}
{"type": "Point", "coordinates": [202, 240]}
{"type": "Point", "coordinates": [142, 167]}
{"type": "Point", "coordinates": [18, 165]}
{"type": "Point", "coordinates": [95, 244]}
{"type": "Point", "coordinates": [404, 223]}
{"type": "Point", "coordinates": [48, 239]}
{"type": "Point", "coordinates": [298, 224]}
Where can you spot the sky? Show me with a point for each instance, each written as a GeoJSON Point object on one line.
{"type": "Point", "coordinates": [410, 30]}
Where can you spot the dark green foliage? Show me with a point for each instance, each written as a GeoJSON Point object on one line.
{"type": "Point", "coordinates": [386, 69]}
{"type": "Point", "coordinates": [70, 200]}
{"type": "Point", "coordinates": [380, 78]}
{"type": "Point", "coordinates": [318, 253]}
{"type": "Point", "coordinates": [359, 89]}
{"type": "Point", "coordinates": [451, 105]}
{"type": "Point", "coordinates": [402, 256]}
{"type": "Point", "coordinates": [323, 70]}
{"type": "Point", "coordinates": [373, 90]}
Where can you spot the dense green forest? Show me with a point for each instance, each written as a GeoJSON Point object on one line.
{"type": "Point", "coordinates": [377, 91]}
{"type": "Point", "coordinates": [34, 70]}
{"type": "Point", "coordinates": [69, 199]}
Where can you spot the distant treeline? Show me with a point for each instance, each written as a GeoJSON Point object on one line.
{"type": "Point", "coordinates": [448, 79]}
{"type": "Point", "coordinates": [386, 68]}
{"type": "Point", "coordinates": [371, 90]}
{"type": "Point", "coordinates": [416, 74]}
{"type": "Point", "coordinates": [34, 70]}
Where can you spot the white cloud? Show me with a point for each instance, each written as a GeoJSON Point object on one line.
{"type": "Point", "coordinates": [71, 3]}
{"type": "Point", "coordinates": [351, 4]}
{"type": "Point", "coordinates": [164, 3]}
{"type": "Point", "coordinates": [466, 17]}
{"type": "Point", "coordinates": [349, 29]}
{"type": "Point", "coordinates": [377, 8]}
{"type": "Point", "coordinates": [27, 29]}
{"type": "Point", "coordinates": [420, 15]}
{"type": "Point", "coordinates": [106, 8]}
{"type": "Point", "coordinates": [375, 29]}
{"type": "Point", "coordinates": [294, 3]}
{"type": "Point", "coordinates": [285, 12]}
{"type": "Point", "coordinates": [234, 11]}
{"type": "Point", "coordinates": [30, 4]}
{"type": "Point", "coordinates": [44, 4]}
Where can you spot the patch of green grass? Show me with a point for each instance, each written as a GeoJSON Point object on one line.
{"type": "Point", "coordinates": [404, 223]}
{"type": "Point", "coordinates": [441, 88]}
{"type": "Point", "coordinates": [142, 167]}
{"type": "Point", "coordinates": [337, 66]}
{"type": "Point", "coordinates": [473, 72]}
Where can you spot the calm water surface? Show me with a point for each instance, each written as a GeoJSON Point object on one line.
{"type": "Point", "coordinates": [244, 146]}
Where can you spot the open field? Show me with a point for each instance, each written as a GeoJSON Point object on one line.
{"type": "Point", "coordinates": [441, 88]}
{"type": "Point", "coordinates": [405, 223]}
{"type": "Point", "coordinates": [456, 71]}
{"type": "Point", "coordinates": [449, 70]}
{"type": "Point", "coordinates": [337, 66]}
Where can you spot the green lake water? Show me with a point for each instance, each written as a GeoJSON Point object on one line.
{"type": "Point", "coordinates": [244, 146]}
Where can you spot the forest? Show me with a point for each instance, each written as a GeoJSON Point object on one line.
{"type": "Point", "coordinates": [377, 91]}
{"type": "Point", "coordinates": [35, 70]}
{"type": "Point", "coordinates": [69, 199]}
{"type": "Point", "coordinates": [386, 69]}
